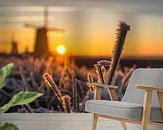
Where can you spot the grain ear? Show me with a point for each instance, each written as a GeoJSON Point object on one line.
{"type": "Point", "coordinates": [117, 50]}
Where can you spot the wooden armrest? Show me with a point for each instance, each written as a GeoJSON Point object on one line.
{"type": "Point", "coordinates": [148, 101]}
{"type": "Point", "coordinates": [98, 90]}
{"type": "Point", "coordinates": [102, 85]}
{"type": "Point", "coordinates": [147, 88]}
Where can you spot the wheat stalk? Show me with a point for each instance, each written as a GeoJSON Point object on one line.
{"type": "Point", "coordinates": [127, 77]}
{"type": "Point", "coordinates": [74, 91]}
{"type": "Point", "coordinates": [67, 99]}
{"type": "Point", "coordinates": [99, 73]}
{"type": "Point", "coordinates": [104, 63]}
{"type": "Point", "coordinates": [49, 82]}
{"type": "Point", "coordinates": [90, 80]}
{"type": "Point", "coordinates": [117, 50]}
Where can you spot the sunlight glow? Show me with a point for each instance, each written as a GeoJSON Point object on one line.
{"type": "Point", "coordinates": [61, 49]}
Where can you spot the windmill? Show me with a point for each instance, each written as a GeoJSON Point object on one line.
{"type": "Point", "coordinates": [14, 46]}
{"type": "Point", "coordinates": [41, 40]}
{"type": "Point", "coordinates": [14, 50]}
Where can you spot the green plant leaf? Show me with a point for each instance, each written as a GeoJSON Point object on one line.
{"type": "Point", "coordinates": [20, 99]}
{"type": "Point", "coordinates": [8, 126]}
{"type": "Point", "coordinates": [4, 72]}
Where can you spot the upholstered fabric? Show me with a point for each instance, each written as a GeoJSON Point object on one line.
{"type": "Point", "coordinates": [143, 77]}
{"type": "Point", "coordinates": [131, 105]}
{"type": "Point", "coordinates": [125, 110]}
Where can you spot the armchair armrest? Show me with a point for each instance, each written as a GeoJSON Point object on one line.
{"type": "Point", "coordinates": [98, 89]}
{"type": "Point", "coordinates": [148, 101]}
{"type": "Point", "coordinates": [147, 88]}
{"type": "Point", "coordinates": [102, 85]}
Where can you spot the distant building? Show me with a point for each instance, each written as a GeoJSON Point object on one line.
{"type": "Point", "coordinates": [14, 49]}
{"type": "Point", "coordinates": [26, 50]}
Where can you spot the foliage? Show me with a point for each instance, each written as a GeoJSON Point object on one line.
{"type": "Point", "coordinates": [8, 126]}
{"type": "Point", "coordinates": [4, 72]}
{"type": "Point", "coordinates": [20, 99]}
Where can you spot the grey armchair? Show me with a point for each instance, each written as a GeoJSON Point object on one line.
{"type": "Point", "coordinates": [141, 104]}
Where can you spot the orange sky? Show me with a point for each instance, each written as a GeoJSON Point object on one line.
{"type": "Point", "coordinates": [88, 33]}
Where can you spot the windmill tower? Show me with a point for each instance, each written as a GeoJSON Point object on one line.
{"type": "Point", "coordinates": [14, 49]}
{"type": "Point", "coordinates": [14, 46]}
{"type": "Point", "coordinates": [41, 40]}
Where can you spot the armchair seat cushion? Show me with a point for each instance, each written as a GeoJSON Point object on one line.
{"type": "Point", "coordinates": [124, 110]}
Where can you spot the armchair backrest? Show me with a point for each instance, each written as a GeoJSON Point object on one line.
{"type": "Point", "coordinates": [143, 77]}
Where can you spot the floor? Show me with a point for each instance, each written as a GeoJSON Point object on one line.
{"type": "Point", "coordinates": [58, 121]}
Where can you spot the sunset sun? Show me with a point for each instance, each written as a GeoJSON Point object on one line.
{"type": "Point", "coordinates": [61, 49]}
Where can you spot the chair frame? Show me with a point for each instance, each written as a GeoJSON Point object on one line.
{"type": "Point", "coordinates": [146, 106]}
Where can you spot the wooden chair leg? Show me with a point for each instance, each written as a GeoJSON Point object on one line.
{"type": "Point", "coordinates": [94, 122]}
{"type": "Point", "coordinates": [124, 125]}
{"type": "Point", "coordinates": [146, 110]}
{"type": "Point", "coordinates": [160, 98]}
